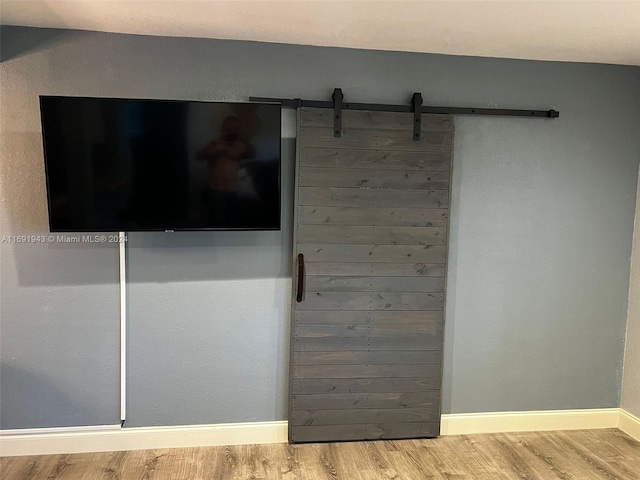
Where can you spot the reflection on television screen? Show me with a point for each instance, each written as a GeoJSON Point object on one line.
{"type": "Point", "coordinates": [127, 165]}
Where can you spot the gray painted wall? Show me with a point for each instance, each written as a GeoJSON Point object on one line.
{"type": "Point", "coordinates": [542, 219]}
{"type": "Point", "coordinates": [630, 400]}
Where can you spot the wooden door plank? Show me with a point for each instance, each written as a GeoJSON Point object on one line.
{"type": "Point", "coordinates": [374, 269]}
{"type": "Point", "coordinates": [323, 283]}
{"type": "Point", "coordinates": [379, 216]}
{"type": "Point", "coordinates": [401, 343]}
{"type": "Point", "coordinates": [318, 300]}
{"type": "Point", "coordinates": [324, 252]}
{"type": "Point", "coordinates": [377, 159]}
{"type": "Point", "coordinates": [375, 139]}
{"type": "Point", "coordinates": [314, 300]}
{"type": "Point", "coordinates": [361, 178]}
{"type": "Point", "coordinates": [331, 316]}
{"type": "Point", "coordinates": [361, 416]}
{"type": "Point", "coordinates": [387, 431]}
{"type": "Point", "coordinates": [382, 317]}
{"type": "Point", "coordinates": [375, 284]}
{"type": "Point", "coordinates": [407, 235]}
{"type": "Point", "coordinates": [362, 197]}
{"type": "Point", "coordinates": [359, 330]}
{"type": "Point", "coordinates": [372, 235]}
{"type": "Point", "coordinates": [369, 329]}
{"type": "Point", "coordinates": [392, 328]}
{"type": "Point", "coordinates": [434, 318]}
{"type": "Point", "coordinates": [364, 385]}
{"type": "Point", "coordinates": [336, 401]}
{"type": "Point", "coordinates": [381, 357]}
{"type": "Point", "coordinates": [363, 371]}
{"type": "Point", "coordinates": [331, 234]}
{"type": "Point", "coordinates": [406, 301]}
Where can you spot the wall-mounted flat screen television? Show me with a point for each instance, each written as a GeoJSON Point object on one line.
{"type": "Point", "coordinates": [140, 165]}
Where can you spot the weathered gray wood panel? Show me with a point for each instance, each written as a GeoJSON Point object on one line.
{"type": "Point", "coordinates": [364, 385]}
{"type": "Point", "coordinates": [315, 300]}
{"type": "Point", "coordinates": [326, 252]}
{"type": "Point", "coordinates": [362, 197]}
{"type": "Point", "coordinates": [382, 216]}
{"type": "Point", "coordinates": [374, 284]}
{"type": "Point", "coordinates": [407, 301]}
{"type": "Point", "coordinates": [359, 178]}
{"type": "Point", "coordinates": [372, 223]}
{"type": "Point", "coordinates": [381, 357]}
{"type": "Point", "coordinates": [362, 415]}
{"type": "Point", "coordinates": [360, 371]}
{"type": "Point", "coordinates": [380, 431]}
{"type": "Point", "coordinates": [336, 401]}
{"type": "Point", "coordinates": [333, 316]}
{"type": "Point", "coordinates": [368, 329]}
{"type": "Point", "coordinates": [400, 342]}
{"type": "Point", "coordinates": [434, 318]}
{"type": "Point", "coordinates": [382, 317]}
{"type": "Point", "coordinates": [375, 269]}
{"type": "Point", "coordinates": [375, 139]}
{"type": "Point", "coordinates": [372, 235]}
{"type": "Point", "coordinates": [335, 301]}
{"type": "Point", "coordinates": [374, 159]}
{"type": "Point", "coordinates": [323, 118]}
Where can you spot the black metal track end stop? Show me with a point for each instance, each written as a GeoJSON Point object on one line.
{"type": "Point", "coordinates": [337, 112]}
{"type": "Point", "coordinates": [416, 106]}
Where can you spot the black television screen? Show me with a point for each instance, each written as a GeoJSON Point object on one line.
{"type": "Point", "coordinates": [138, 165]}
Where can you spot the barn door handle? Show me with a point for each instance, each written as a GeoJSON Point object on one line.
{"type": "Point", "coordinates": [300, 277]}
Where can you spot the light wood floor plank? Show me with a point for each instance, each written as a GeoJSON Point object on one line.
{"type": "Point", "coordinates": [595, 455]}
{"type": "Point", "coordinates": [573, 455]}
{"type": "Point", "coordinates": [574, 465]}
{"type": "Point", "coordinates": [544, 465]}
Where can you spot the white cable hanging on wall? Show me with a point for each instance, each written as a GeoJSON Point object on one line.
{"type": "Point", "coordinates": [123, 326]}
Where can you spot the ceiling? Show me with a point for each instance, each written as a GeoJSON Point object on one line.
{"type": "Point", "coordinates": [605, 31]}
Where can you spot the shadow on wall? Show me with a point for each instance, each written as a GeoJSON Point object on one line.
{"type": "Point", "coordinates": [189, 256]}
{"type": "Point", "coordinates": [153, 256]}
{"type": "Point", "coordinates": [33, 401]}
{"type": "Point", "coordinates": [17, 42]}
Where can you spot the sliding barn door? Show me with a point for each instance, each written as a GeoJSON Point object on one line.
{"type": "Point", "coordinates": [372, 210]}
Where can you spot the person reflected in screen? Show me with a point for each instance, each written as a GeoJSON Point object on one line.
{"type": "Point", "coordinates": [223, 154]}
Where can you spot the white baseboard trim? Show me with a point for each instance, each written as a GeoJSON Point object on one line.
{"type": "Point", "coordinates": [629, 424]}
{"type": "Point", "coordinates": [543, 420]}
{"type": "Point", "coordinates": [85, 440]}
{"type": "Point", "coordinates": [53, 430]}
{"type": "Point", "coordinates": [44, 441]}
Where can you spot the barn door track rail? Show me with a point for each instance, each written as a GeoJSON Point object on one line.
{"type": "Point", "coordinates": [415, 106]}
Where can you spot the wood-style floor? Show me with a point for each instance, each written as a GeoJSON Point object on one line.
{"type": "Point", "coordinates": [585, 454]}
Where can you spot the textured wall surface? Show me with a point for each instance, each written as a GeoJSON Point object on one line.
{"type": "Point", "coordinates": [59, 310]}
{"type": "Point", "coordinates": [542, 220]}
{"type": "Point", "coordinates": [630, 400]}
